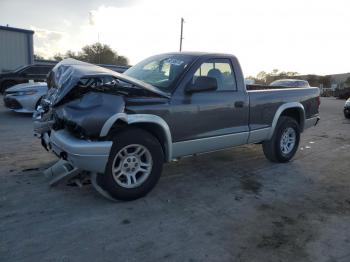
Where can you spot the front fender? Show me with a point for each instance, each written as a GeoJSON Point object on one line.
{"type": "Point", "coordinates": [139, 119]}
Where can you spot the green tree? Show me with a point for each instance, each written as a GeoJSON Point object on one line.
{"type": "Point", "coordinates": [326, 81]}
{"type": "Point", "coordinates": [38, 57]}
{"type": "Point", "coordinates": [97, 54]}
{"type": "Point", "coordinates": [313, 80]}
{"type": "Point", "coordinates": [58, 57]}
{"type": "Point", "coordinates": [347, 81]}
{"type": "Point", "coordinates": [275, 74]}
{"type": "Point", "coordinates": [261, 77]}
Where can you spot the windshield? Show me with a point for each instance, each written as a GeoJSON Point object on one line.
{"type": "Point", "coordinates": [160, 71]}
{"type": "Point", "coordinates": [290, 83]}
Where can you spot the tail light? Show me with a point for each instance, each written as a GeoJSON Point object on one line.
{"type": "Point", "coordinates": [318, 101]}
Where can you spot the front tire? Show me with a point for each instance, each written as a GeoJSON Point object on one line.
{"type": "Point", "coordinates": [134, 166]}
{"type": "Point", "coordinates": [284, 142]}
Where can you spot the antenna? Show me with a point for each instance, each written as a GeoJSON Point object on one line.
{"type": "Point", "coordinates": [181, 37]}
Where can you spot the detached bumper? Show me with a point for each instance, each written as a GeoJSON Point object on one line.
{"type": "Point", "coordinates": [83, 154]}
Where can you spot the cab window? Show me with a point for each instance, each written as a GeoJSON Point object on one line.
{"type": "Point", "coordinates": [221, 70]}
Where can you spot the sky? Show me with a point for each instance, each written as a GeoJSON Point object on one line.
{"type": "Point", "coordinates": [304, 36]}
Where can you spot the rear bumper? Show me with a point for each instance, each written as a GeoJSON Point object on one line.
{"type": "Point", "coordinates": [86, 155]}
{"type": "Point", "coordinates": [310, 122]}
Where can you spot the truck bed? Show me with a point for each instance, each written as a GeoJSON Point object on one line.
{"type": "Point", "coordinates": [265, 100]}
{"type": "Point", "coordinates": [266, 87]}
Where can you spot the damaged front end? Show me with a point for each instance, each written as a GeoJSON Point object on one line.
{"type": "Point", "coordinates": [81, 99]}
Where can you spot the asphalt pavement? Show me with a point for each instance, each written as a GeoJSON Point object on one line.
{"type": "Point", "coordinates": [231, 205]}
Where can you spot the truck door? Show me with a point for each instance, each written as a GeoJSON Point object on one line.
{"type": "Point", "coordinates": [217, 114]}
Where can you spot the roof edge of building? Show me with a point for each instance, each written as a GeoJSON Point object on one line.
{"type": "Point", "coordinates": [14, 29]}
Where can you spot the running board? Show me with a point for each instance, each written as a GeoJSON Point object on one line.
{"type": "Point", "coordinates": [62, 170]}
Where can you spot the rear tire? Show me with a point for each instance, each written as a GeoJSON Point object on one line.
{"type": "Point", "coordinates": [134, 166]}
{"type": "Point", "coordinates": [284, 142]}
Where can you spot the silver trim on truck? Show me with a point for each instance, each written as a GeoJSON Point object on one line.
{"type": "Point", "coordinates": [142, 118]}
{"type": "Point", "coordinates": [311, 122]}
{"type": "Point", "coordinates": [209, 144]}
{"type": "Point", "coordinates": [283, 108]}
{"type": "Point", "coordinates": [83, 154]}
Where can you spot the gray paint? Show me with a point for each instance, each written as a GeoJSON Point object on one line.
{"type": "Point", "coordinates": [139, 119]}
{"type": "Point", "coordinates": [209, 144]}
{"type": "Point", "coordinates": [264, 103]}
{"type": "Point", "coordinates": [30, 49]}
{"type": "Point", "coordinates": [207, 121]}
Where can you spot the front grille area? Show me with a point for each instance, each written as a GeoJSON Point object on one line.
{"type": "Point", "coordinates": [12, 103]}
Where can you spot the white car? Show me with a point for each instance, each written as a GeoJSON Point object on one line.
{"type": "Point", "coordinates": [347, 108]}
{"type": "Point", "coordinates": [290, 83]}
{"type": "Point", "coordinates": [25, 98]}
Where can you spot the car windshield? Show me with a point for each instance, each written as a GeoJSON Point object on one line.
{"type": "Point", "coordinates": [290, 83]}
{"type": "Point", "coordinates": [160, 71]}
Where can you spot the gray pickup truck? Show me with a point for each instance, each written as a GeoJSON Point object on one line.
{"type": "Point", "coordinates": [121, 128]}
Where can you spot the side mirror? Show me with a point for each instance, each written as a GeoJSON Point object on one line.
{"type": "Point", "coordinates": [202, 84]}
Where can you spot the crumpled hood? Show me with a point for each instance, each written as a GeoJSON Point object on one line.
{"type": "Point", "coordinates": [67, 73]}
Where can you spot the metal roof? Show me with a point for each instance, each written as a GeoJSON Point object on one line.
{"type": "Point", "coordinates": [14, 29]}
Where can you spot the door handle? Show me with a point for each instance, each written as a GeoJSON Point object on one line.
{"type": "Point", "coordinates": [239, 104]}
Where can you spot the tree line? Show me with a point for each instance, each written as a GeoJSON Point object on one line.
{"type": "Point", "coordinates": [96, 54]}
{"type": "Point", "coordinates": [266, 78]}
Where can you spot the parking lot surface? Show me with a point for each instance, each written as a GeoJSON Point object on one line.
{"type": "Point", "coordinates": [232, 205]}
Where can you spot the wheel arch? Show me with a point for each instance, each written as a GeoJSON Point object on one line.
{"type": "Point", "coordinates": [294, 109]}
{"type": "Point", "coordinates": [151, 123]}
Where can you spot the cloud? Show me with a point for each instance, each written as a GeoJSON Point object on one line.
{"type": "Point", "coordinates": [67, 22]}
{"type": "Point", "coordinates": [262, 34]}
{"type": "Point", "coordinates": [92, 17]}
{"type": "Point", "coordinates": [47, 42]}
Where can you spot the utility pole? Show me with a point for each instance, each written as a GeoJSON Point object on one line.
{"type": "Point", "coordinates": [182, 26]}
{"type": "Point", "coordinates": [99, 51]}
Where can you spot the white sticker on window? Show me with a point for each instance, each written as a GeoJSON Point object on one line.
{"type": "Point", "coordinates": [174, 61]}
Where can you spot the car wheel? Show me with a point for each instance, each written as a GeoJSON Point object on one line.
{"type": "Point", "coordinates": [7, 84]}
{"type": "Point", "coordinates": [134, 165]}
{"type": "Point", "coordinates": [284, 142]}
{"type": "Point", "coordinates": [347, 114]}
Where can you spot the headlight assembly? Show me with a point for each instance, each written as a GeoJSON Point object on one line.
{"type": "Point", "coordinates": [25, 93]}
